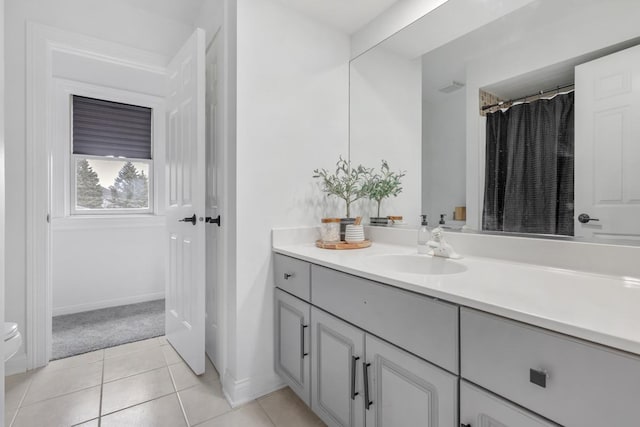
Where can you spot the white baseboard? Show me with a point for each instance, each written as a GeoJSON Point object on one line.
{"type": "Point", "coordinates": [16, 365]}
{"type": "Point", "coordinates": [70, 309]}
{"type": "Point", "coordinates": [239, 392]}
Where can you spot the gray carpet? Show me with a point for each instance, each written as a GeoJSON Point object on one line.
{"type": "Point", "coordinates": [92, 330]}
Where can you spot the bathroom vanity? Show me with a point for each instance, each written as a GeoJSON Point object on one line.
{"type": "Point", "coordinates": [484, 343]}
{"type": "Point", "coordinates": [520, 332]}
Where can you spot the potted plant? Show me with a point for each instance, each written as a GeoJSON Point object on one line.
{"type": "Point", "coordinates": [347, 183]}
{"type": "Point", "coordinates": [382, 185]}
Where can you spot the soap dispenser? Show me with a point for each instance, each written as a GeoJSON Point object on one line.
{"type": "Point", "coordinates": [424, 235]}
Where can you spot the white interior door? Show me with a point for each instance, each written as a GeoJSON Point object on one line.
{"type": "Point", "coordinates": [213, 98]}
{"type": "Point", "coordinates": [607, 147]}
{"type": "Point", "coordinates": [185, 229]}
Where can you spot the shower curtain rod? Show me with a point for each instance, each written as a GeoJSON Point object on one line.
{"type": "Point", "coordinates": [542, 92]}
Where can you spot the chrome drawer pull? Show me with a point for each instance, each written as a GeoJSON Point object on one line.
{"type": "Point", "coordinates": [287, 276]}
{"type": "Point", "coordinates": [538, 377]}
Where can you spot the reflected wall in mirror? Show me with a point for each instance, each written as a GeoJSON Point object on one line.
{"type": "Point", "coordinates": [385, 123]}
{"type": "Point", "coordinates": [416, 100]}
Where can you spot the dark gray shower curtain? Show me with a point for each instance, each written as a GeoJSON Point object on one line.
{"type": "Point", "coordinates": [529, 168]}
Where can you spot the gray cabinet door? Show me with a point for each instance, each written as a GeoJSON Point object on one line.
{"type": "Point", "coordinates": [338, 352]}
{"type": "Point", "coordinates": [479, 408]}
{"type": "Point", "coordinates": [292, 343]}
{"type": "Point", "coordinates": [407, 391]}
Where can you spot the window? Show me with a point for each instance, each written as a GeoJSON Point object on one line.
{"type": "Point", "coordinates": [111, 157]}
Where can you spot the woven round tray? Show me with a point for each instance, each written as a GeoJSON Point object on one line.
{"type": "Point", "coordinates": [343, 245]}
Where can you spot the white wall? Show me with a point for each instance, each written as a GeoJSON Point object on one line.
{"type": "Point", "coordinates": [429, 27]}
{"type": "Point", "coordinates": [443, 155]}
{"type": "Point", "coordinates": [97, 266]}
{"type": "Point", "coordinates": [395, 18]}
{"type": "Point", "coordinates": [386, 123]}
{"type": "Point", "coordinates": [292, 110]}
{"type": "Point", "coordinates": [211, 17]}
{"type": "Point", "coordinates": [428, 33]}
{"type": "Point", "coordinates": [2, 200]}
{"type": "Point", "coordinates": [547, 46]}
{"type": "Point", "coordinates": [127, 250]}
{"type": "Point", "coordinates": [113, 21]}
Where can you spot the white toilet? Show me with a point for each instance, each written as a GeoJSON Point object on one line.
{"type": "Point", "coordinates": [12, 340]}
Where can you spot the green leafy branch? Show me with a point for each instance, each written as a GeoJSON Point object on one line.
{"type": "Point", "coordinates": [347, 183]}
{"type": "Point", "coordinates": [384, 184]}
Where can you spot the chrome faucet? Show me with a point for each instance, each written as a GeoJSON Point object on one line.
{"type": "Point", "coordinates": [439, 246]}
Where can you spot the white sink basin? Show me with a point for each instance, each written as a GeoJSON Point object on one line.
{"type": "Point", "coordinates": [415, 264]}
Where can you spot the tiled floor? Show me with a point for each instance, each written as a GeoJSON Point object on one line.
{"type": "Point", "coordinates": [139, 384]}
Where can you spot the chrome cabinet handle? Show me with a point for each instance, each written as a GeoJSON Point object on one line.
{"type": "Point", "coordinates": [288, 276]}
{"type": "Point", "coordinates": [354, 393]}
{"type": "Point", "coordinates": [365, 375]}
{"type": "Point", "coordinates": [585, 218]}
{"type": "Point", "coordinates": [302, 353]}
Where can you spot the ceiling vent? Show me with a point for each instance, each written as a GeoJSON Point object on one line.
{"type": "Point", "coordinates": [452, 87]}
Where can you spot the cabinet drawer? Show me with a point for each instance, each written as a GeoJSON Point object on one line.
{"type": "Point", "coordinates": [570, 381]}
{"type": "Point", "coordinates": [421, 325]}
{"type": "Point", "coordinates": [479, 408]}
{"type": "Point", "coordinates": [293, 276]}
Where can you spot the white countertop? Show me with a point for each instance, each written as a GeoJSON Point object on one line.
{"type": "Point", "coordinates": [598, 308]}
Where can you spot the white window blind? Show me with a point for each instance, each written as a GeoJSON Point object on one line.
{"type": "Point", "coordinates": [106, 128]}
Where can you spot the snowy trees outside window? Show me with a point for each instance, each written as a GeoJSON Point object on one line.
{"type": "Point", "coordinates": [130, 189]}
{"type": "Point", "coordinates": [89, 193]}
{"type": "Point", "coordinates": [108, 184]}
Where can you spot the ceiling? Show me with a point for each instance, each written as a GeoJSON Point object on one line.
{"type": "Point", "coordinates": [448, 63]}
{"type": "Point", "coordinates": [346, 15]}
{"type": "Point", "coordinates": [180, 10]}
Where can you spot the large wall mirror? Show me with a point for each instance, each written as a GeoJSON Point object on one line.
{"type": "Point", "coordinates": [526, 113]}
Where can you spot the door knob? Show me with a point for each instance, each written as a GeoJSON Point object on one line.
{"type": "Point", "coordinates": [585, 218]}
{"type": "Point", "coordinates": [191, 219]}
{"type": "Point", "coordinates": [212, 220]}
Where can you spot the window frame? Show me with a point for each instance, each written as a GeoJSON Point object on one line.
{"type": "Point", "coordinates": [73, 158]}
